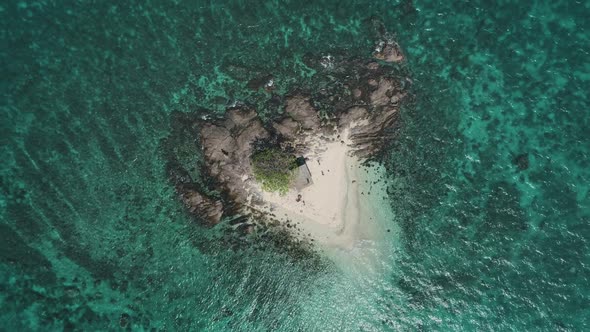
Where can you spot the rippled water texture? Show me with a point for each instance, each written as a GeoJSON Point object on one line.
{"type": "Point", "coordinates": [489, 175]}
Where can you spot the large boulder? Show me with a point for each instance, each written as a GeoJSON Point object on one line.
{"type": "Point", "coordinates": [205, 207]}
{"type": "Point", "coordinates": [388, 51]}
{"type": "Point", "coordinates": [300, 109]}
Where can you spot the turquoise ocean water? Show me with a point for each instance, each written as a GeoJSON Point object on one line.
{"type": "Point", "coordinates": [490, 174]}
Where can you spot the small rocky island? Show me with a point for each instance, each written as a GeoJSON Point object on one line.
{"type": "Point", "coordinates": [301, 169]}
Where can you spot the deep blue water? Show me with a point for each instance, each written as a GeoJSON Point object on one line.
{"type": "Point", "coordinates": [490, 171]}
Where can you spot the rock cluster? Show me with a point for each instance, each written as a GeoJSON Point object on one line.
{"type": "Point", "coordinates": [360, 96]}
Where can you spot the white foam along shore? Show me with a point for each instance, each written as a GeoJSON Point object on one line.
{"type": "Point", "coordinates": [341, 209]}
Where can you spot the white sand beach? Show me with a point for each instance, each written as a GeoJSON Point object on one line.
{"type": "Point", "coordinates": [340, 210]}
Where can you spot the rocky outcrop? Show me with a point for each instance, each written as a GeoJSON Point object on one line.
{"type": "Point", "coordinates": [287, 128]}
{"type": "Point", "coordinates": [370, 131]}
{"type": "Point", "coordinates": [227, 146]}
{"type": "Point", "coordinates": [359, 97]}
{"type": "Point", "coordinates": [300, 110]}
{"type": "Point", "coordinates": [388, 51]}
{"type": "Point", "coordinates": [207, 208]}
{"type": "Point", "coordinates": [196, 203]}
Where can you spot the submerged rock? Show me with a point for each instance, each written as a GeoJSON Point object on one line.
{"type": "Point", "coordinates": [124, 320]}
{"type": "Point", "coordinates": [522, 161]}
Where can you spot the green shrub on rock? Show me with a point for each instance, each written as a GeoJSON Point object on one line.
{"type": "Point", "coordinates": [274, 169]}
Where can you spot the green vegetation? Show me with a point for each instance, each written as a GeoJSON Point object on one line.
{"type": "Point", "coordinates": [274, 169]}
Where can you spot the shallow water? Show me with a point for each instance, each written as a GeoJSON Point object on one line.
{"type": "Point", "coordinates": [490, 171]}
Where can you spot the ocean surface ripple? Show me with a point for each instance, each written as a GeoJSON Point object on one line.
{"type": "Point", "coordinates": [489, 175]}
